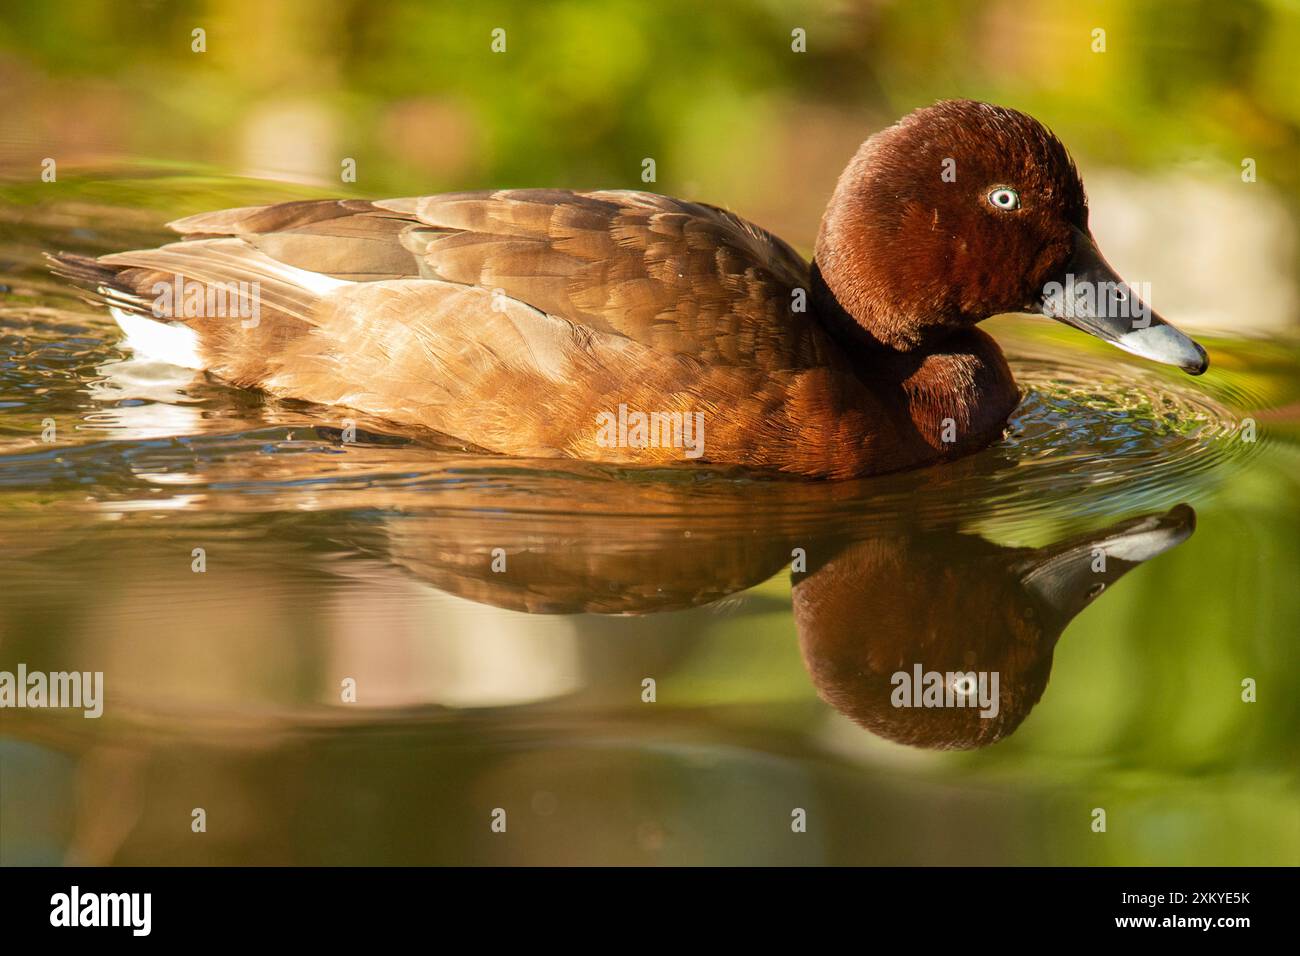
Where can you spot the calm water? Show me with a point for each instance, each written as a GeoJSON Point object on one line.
{"type": "Point", "coordinates": [499, 619]}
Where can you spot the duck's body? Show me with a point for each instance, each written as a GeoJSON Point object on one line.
{"type": "Point", "coordinates": [521, 321]}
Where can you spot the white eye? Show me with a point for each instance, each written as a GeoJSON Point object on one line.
{"type": "Point", "coordinates": [1005, 198]}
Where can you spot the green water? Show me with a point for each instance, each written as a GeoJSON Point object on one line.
{"type": "Point", "coordinates": [499, 619]}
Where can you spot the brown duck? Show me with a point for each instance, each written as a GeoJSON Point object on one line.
{"type": "Point", "coordinates": [524, 322]}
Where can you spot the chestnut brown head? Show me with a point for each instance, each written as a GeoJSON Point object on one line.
{"type": "Point", "coordinates": [963, 210]}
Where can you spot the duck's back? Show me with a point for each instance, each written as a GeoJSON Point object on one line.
{"type": "Point", "coordinates": [513, 319]}
{"type": "Point", "coordinates": [673, 275]}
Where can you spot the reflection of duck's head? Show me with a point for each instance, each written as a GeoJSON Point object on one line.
{"type": "Point", "coordinates": [887, 626]}
{"type": "Point", "coordinates": [964, 210]}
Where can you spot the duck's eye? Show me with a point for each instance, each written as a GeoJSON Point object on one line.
{"type": "Point", "coordinates": [1004, 198]}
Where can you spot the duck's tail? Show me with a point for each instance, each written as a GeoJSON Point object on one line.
{"type": "Point", "coordinates": [187, 302]}
{"type": "Point", "coordinates": [147, 335]}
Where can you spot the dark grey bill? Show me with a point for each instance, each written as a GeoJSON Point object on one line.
{"type": "Point", "coordinates": [1090, 296]}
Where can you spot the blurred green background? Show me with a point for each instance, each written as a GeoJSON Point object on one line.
{"type": "Point", "coordinates": [584, 91]}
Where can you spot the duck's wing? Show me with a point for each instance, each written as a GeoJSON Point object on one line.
{"type": "Point", "coordinates": [672, 275]}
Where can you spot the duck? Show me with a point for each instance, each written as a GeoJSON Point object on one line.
{"type": "Point", "coordinates": [632, 328]}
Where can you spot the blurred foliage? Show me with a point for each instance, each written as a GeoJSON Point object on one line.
{"type": "Point", "coordinates": [585, 90]}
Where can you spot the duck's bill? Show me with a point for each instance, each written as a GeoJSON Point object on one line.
{"type": "Point", "coordinates": [1091, 297]}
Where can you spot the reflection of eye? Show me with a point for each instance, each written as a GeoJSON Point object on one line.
{"type": "Point", "coordinates": [1005, 198]}
{"type": "Point", "coordinates": [964, 685]}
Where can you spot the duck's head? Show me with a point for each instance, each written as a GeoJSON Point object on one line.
{"type": "Point", "coordinates": [964, 210]}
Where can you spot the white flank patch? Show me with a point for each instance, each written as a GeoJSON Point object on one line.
{"type": "Point", "coordinates": [171, 342]}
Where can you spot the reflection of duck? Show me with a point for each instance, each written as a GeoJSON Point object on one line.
{"type": "Point", "coordinates": [868, 607]}
{"type": "Point", "coordinates": [877, 596]}
{"type": "Point", "coordinates": [525, 321]}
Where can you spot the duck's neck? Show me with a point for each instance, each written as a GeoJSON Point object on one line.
{"type": "Point", "coordinates": [954, 388]}
{"type": "Point", "coordinates": [849, 334]}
